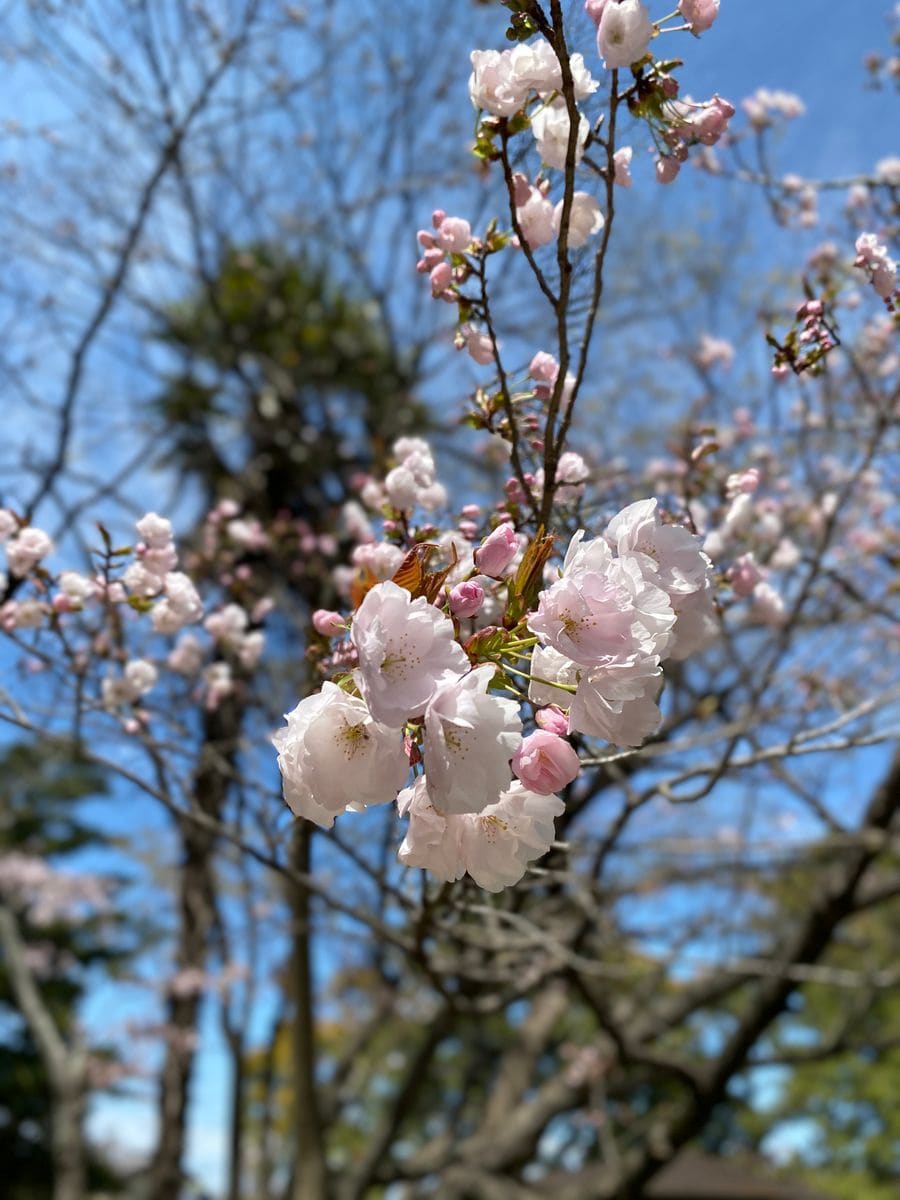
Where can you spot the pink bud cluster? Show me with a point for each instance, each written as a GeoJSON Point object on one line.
{"type": "Point", "coordinates": [452, 236]}
{"type": "Point", "coordinates": [690, 124]}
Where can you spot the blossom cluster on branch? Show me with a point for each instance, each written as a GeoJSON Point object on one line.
{"type": "Point", "coordinates": [459, 679]}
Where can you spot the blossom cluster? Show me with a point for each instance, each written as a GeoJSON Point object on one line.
{"type": "Point", "coordinates": [455, 692]}
{"type": "Point", "coordinates": [872, 256]}
{"type": "Point", "coordinates": [141, 579]}
{"type": "Point", "coordinates": [49, 895]}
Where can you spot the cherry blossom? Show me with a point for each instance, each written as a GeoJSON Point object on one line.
{"type": "Point", "coordinates": [668, 554]}
{"type": "Point", "coordinates": [138, 678]}
{"type": "Point", "coordinates": [432, 839]}
{"type": "Point", "coordinates": [535, 216]}
{"type": "Point", "coordinates": [333, 755]}
{"type": "Point", "coordinates": [498, 843]}
{"type": "Point", "coordinates": [470, 737]}
{"type": "Point", "coordinates": [494, 846]}
{"type": "Point", "coordinates": [699, 14]}
{"type": "Point", "coordinates": [8, 524]}
{"type": "Point", "coordinates": [617, 701]}
{"type": "Point", "coordinates": [585, 218]}
{"type": "Point", "coordinates": [494, 85]}
{"type": "Point", "coordinates": [545, 763]}
{"type": "Point", "coordinates": [624, 33]}
{"type": "Point", "coordinates": [406, 650]}
{"type": "Point", "coordinates": [26, 549]}
{"type": "Point", "coordinates": [550, 126]}
{"type": "Point", "coordinates": [622, 164]}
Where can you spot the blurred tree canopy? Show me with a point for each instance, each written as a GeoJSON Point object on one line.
{"type": "Point", "coordinates": [289, 384]}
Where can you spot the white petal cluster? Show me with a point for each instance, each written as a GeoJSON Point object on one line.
{"type": "Point", "coordinates": [623, 604]}
{"type": "Point", "coordinates": [624, 33]}
{"type": "Point", "coordinates": [470, 736]}
{"type": "Point", "coordinates": [342, 751]}
{"type": "Point", "coordinates": [406, 650]}
{"type": "Point", "coordinates": [550, 126]}
{"type": "Point", "coordinates": [501, 81]}
{"type": "Point", "coordinates": [413, 482]}
{"type": "Point", "coordinates": [153, 575]}
{"type": "Point", "coordinates": [333, 756]}
{"type": "Point", "coordinates": [138, 678]}
{"type": "Point", "coordinates": [493, 846]}
{"type": "Point", "coordinates": [413, 702]}
{"type": "Point", "coordinates": [26, 549]}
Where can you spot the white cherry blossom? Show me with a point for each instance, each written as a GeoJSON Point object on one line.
{"type": "Point", "coordinates": [493, 85]}
{"type": "Point", "coordinates": [498, 843]}
{"type": "Point", "coordinates": [26, 549]}
{"type": "Point", "coordinates": [617, 701]}
{"type": "Point", "coordinates": [470, 736]}
{"type": "Point", "coordinates": [669, 555]}
{"type": "Point", "coordinates": [585, 218]}
{"type": "Point", "coordinates": [550, 126]}
{"type": "Point", "coordinates": [494, 846]}
{"type": "Point", "coordinates": [624, 33]}
{"type": "Point", "coordinates": [333, 755]}
{"type": "Point", "coordinates": [406, 649]}
{"type": "Point", "coordinates": [432, 839]}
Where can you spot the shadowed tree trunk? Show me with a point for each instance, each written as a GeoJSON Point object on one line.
{"type": "Point", "coordinates": [197, 916]}
{"type": "Point", "coordinates": [310, 1181]}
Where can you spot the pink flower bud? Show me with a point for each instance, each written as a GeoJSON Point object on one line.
{"type": "Point", "coordinates": [545, 763]}
{"type": "Point", "coordinates": [478, 344]}
{"type": "Point", "coordinates": [425, 238]}
{"type": "Point", "coordinates": [667, 169]}
{"type": "Point", "coordinates": [594, 9]}
{"type": "Point", "coordinates": [497, 551]}
{"type": "Point", "coordinates": [328, 623]}
{"type": "Point", "coordinates": [699, 14]}
{"type": "Point", "coordinates": [429, 260]}
{"type": "Point", "coordinates": [454, 234]}
{"type": "Point", "coordinates": [553, 719]}
{"type": "Point", "coordinates": [513, 490]}
{"type": "Point", "coordinates": [744, 574]}
{"type": "Point", "coordinates": [437, 217]}
{"type": "Point", "coordinates": [466, 599]}
{"type": "Point", "coordinates": [543, 367]}
{"type": "Point", "coordinates": [441, 278]}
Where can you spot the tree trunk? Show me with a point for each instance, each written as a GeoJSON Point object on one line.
{"type": "Point", "coordinates": [236, 1125]}
{"type": "Point", "coordinates": [197, 914]}
{"type": "Point", "coordinates": [64, 1062]}
{"type": "Point", "coordinates": [310, 1181]}
{"type": "Point", "coordinates": [68, 1146]}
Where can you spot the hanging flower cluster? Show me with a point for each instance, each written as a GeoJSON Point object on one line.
{"type": "Point", "coordinates": [455, 689]}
